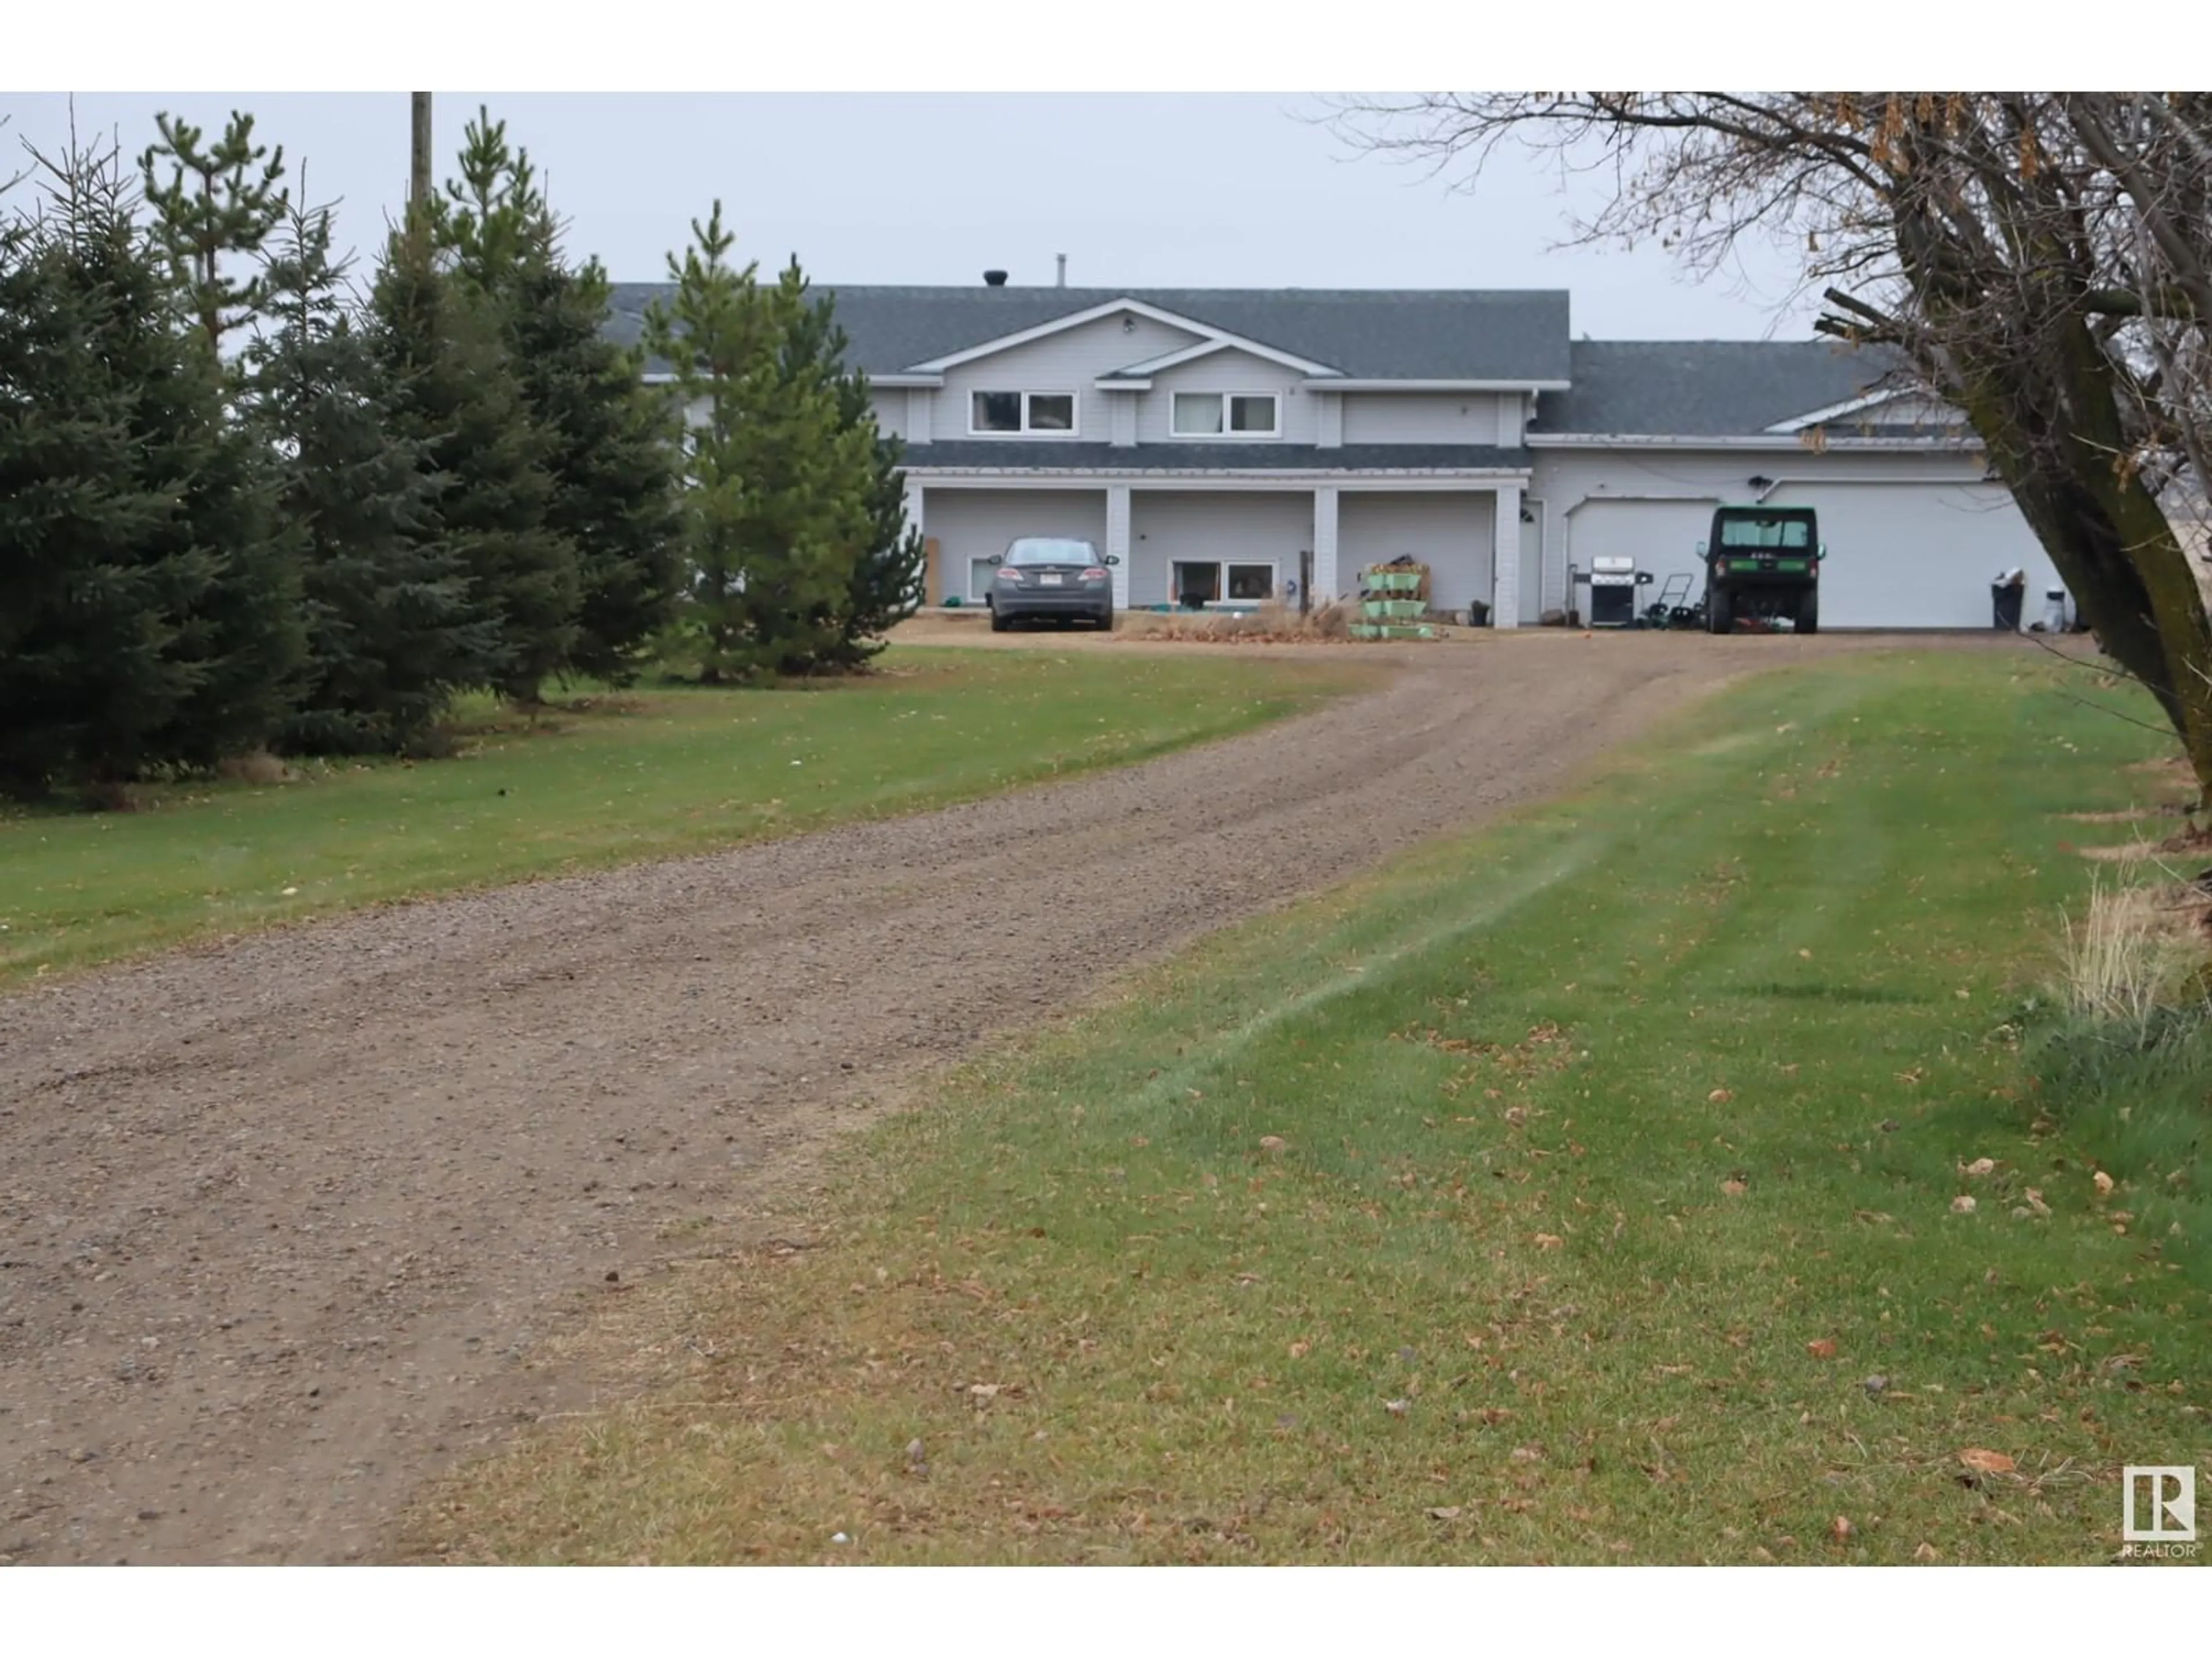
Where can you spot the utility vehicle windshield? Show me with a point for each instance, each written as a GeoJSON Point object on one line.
{"type": "Point", "coordinates": [1764, 532]}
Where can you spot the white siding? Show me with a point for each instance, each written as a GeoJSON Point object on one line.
{"type": "Point", "coordinates": [1066, 361]}
{"type": "Point", "coordinates": [1449, 533]}
{"type": "Point", "coordinates": [1259, 527]}
{"type": "Point", "coordinates": [971, 524]}
{"type": "Point", "coordinates": [1913, 540]}
{"type": "Point", "coordinates": [890, 413]}
{"type": "Point", "coordinates": [1423, 418]}
{"type": "Point", "coordinates": [1228, 371]}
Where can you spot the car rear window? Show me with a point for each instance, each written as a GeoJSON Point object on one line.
{"type": "Point", "coordinates": [1048, 550]}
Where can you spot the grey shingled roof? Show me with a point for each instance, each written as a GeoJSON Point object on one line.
{"type": "Point", "coordinates": [1704, 388]}
{"type": "Point", "coordinates": [1209, 457]}
{"type": "Point", "coordinates": [1364, 333]}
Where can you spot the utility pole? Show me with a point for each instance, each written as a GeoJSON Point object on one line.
{"type": "Point", "coordinates": [418, 183]}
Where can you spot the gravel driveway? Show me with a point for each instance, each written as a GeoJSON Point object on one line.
{"type": "Point", "coordinates": [286, 1226]}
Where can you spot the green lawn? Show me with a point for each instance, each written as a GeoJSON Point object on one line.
{"type": "Point", "coordinates": [1582, 1191]}
{"type": "Point", "coordinates": [645, 776]}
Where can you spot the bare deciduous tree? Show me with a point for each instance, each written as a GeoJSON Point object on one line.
{"type": "Point", "coordinates": [2041, 260]}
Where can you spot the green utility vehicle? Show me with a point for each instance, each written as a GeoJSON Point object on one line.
{"type": "Point", "coordinates": [1764, 564]}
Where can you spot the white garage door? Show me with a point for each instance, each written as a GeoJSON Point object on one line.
{"type": "Point", "coordinates": [1918, 555]}
{"type": "Point", "coordinates": [970, 525]}
{"type": "Point", "coordinates": [1662, 537]}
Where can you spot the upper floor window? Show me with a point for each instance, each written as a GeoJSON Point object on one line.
{"type": "Point", "coordinates": [1226, 415]}
{"type": "Point", "coordinates": [1021, 411]}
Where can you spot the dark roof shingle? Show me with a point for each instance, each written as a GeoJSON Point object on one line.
{"type": "Point", "coordinates": [1705, 388]}
{"type": "Point", "coordinates": [1364, 333]}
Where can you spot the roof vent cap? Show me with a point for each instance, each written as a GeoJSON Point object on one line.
{"type": "Point", "coordinates": [994, 279]}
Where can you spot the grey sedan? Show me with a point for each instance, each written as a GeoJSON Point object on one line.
{"type": "Point", "coordinates": [1051, 576]}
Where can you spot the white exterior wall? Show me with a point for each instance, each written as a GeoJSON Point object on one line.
{"type": "Point", "coordinates": [1231, 527]}
{"type": "Point", "coordinates": [891, 408]}
{"type": "Point", "coordinates": [1913, 540]}
{"type": "Point", "coordinates": [969, 525]}
{"type": "Point", "coordinates": [1229, 371]}
{"type": "Point", "coordinates": [1449, 533]}
{"type": "Point", "coordinates": [1430, 417]}
{"type": "Point", "coordinates": [1069, 360]}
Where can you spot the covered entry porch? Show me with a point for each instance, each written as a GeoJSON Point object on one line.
{"type": "Point", "coordinates": [1229, 539]}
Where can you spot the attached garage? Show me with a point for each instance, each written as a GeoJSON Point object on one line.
{"type": "Point", "coordinates": [1228, 545]}
{"type": "Point", "coordinates": [1448, 531]}
{"type": "Point", "coordinates": [970, 525]}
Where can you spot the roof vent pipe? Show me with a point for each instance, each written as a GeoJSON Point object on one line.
{"type": "Point", "coordinates": [994, 279]}
{"type": "Point", "coordinates": [1063, 269]}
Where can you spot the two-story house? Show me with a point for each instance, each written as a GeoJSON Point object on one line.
{"type": "Point", "coordinates": [1227, 444]}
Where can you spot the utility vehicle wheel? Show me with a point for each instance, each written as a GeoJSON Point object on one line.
{"type": "Point", "coordinates": [1720, 614]}
{"type": "Point", "coordinates": [1809, 613]}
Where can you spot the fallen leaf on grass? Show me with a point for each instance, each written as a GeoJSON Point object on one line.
{"type": "Point", "coordinates": [982, 1392]}
{"type": "Point", "coordinates": [1927, 1552]}
{"type": "Point", "coordinates": [1300, 1350]}
{"type": "Point", "coordinates": [1821, 1348]}
{"type": "Point", "coordinates": [1721, 1096]}
{"type": "Point", "coordinates": [2103, 1182]}
{"type": "Point", "coordinates": [1549, 1241]}
{"type": "Point", "coordinates": [1447, 1512]}
{"type": "Point", "coordinates": [1962, 1205]}
{"type": "Point", "coordinates": [1982, 1462]}
{"type": "Point", "coordinates": [1397, 1407]}
{"type": "Point", "coordinates": [1273, 1144]}
{"type": "Point", "coordinates": [1528, 1454]}
{"type": "Point", "coordinates": [1981, 1166]}
{"type": "Point", "coordinates": [1734, 1188]}
{"type": "Point", "coordinates": [1841, 1529]}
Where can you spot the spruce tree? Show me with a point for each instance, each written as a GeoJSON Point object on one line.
{"type": "Point", "coordinates": [613, 452]}
{"type": "Point", "coordinates": [455, 392]}
{"type": "Point", "coordinates": [393, 628]}
{"type": "Point", "coordinates": [151, 621]}
{"type": "Point", "coordinates": [610, 441]}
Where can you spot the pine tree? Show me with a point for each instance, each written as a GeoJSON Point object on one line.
{"type": "Point", "coordinates": [455, 392]}
{"type": "Point", "coordinates": [150, 620]}
{"type": "Point", "coordinates": [393, 630]}
{"type": "Point", "coordinates": [219, 207]}
{"type": "Point", "coordinates": [888, 581]}
{"type": "Point", "coordinates": [714, 336]}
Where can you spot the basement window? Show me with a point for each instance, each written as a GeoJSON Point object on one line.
{"type": "Point", "coordinates": [1010, 413]}
{"type": "Point", "coordinates": [1197, 583]}
{"type": "Point", "coordinates": [1226, 415]}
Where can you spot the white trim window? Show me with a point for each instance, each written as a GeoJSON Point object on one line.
{"type": "Point", "coordinates": [1226, 415]}
{"type": "Point", "coordinates": [1022, 414]}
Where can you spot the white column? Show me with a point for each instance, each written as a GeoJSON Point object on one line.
{"type": "Point", "coordinates": [1505, 558]}
{"type": "Point", "coordinates": [1325, 582]}
{"type": "Point", "coordinates": [1329, 411]}
{"type": "Point", "coordinates": [1122, 418]}
{"type": "Point", "coordinates": [912, 504]}
{"type": "Point", "coordinates": [1117, 541]}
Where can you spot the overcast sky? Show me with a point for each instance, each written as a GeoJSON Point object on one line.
{"type": "Point", "coordinates": [1160, 190]}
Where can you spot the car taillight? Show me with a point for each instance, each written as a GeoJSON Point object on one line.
{"type": "Point", "coordinates": [1096, 574]}
{"type": "Point", "coordinates": [1008, 574]}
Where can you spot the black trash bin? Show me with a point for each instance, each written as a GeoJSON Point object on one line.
{"type": "Point", "coordinates": [2007, 595]}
